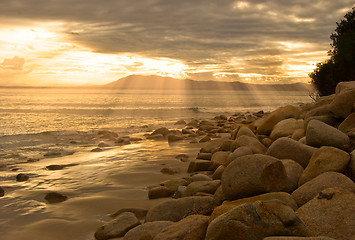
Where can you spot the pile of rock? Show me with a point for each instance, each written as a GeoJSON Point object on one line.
{"type": "Point", "coordinates": [288, 173]}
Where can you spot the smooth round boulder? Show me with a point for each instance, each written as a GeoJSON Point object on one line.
{"type": "Point", "coordinates": [311, 188]}
{"type": "Point", "coordinates": [213, 145]}
{"type": "Point", "coordinates": [239, 152]}
{"type": "Point", "coordinates": [217, 175]}
{"type": "Point", "coordinates": [21, 177]}
{"type": "Point", "coordinates": [54, 197]}
{"type": "Point", "coordinates": [192, 228]}
{"type": "Point", "coordinates": [276, 116]}
{"type": "Point", "coordinates": [330, 213]}
{"type": "Point", "coordinates": [325, 159]}
{"type": "Point", "coordinates": [202, 186]}
{"type": "Point", "coordinates": [159, 192]}
{"type": "Point", "coordinates": [255, 221]}
{"type": "Point", "coordinates": [117, 227]}
{"type": "Point", "coordinates": [147, 230]}
{"type": "Point", "coordinates": [352, 163]}
{"type": "Point", "coordinates": [252, 175]}
{"type": "Point", "coordinates": [348, 123]}
{"type": "Point", "coordinates": [219, 158]}
{"type": "Point", "coordinates": [293, 172]}
{"type": "Point", "coordinates": [245, 131]}
{"type": "Point", "coordinates": [173, 184]}
{"type": "Point", "coordinates": [343, 103]}
{"type": "Point", "coordinates": [200, 177]}
{"type": "Point", "coordinates": [286, 128]}
{"type": "Point", "coordinates": [321, 134]}
{"type": "Point", "coordinates": [176, 209]}
{"type": "Point", "coordinates": [287, 148]}
{"type": "Point", "coordinates": [163, 131]}
{"type": "Point", "coordinates": [253, 143]}
{"type": "Point", "coordinates": [199, 165]}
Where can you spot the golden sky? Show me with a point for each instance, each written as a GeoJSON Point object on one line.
{"type": "Point", "coordinates": [61, 42]}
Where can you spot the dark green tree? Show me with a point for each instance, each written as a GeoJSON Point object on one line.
{"type": "Point", "coordinates": [341, 65]}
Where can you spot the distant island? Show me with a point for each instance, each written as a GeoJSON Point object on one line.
{"type": "Point", "coordinates": [140, 82]}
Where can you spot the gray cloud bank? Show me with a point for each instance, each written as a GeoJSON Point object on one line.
{"type": "Point", "coordinates": [198, 32]}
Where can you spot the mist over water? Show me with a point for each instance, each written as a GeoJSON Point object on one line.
{"type": "Point", "coordinates": [24, 111]}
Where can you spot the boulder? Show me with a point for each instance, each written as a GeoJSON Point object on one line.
{"type": "Point", "coordinates": [322, 110]}
{"type": "Point", "coordinates": [199, 165]}
{"type": "Point", "coordinates": [283, 197]}
{"type": "Point", "coordinates": [344, 86]}
{"type": "Point", "coordinates": [245, 131]}
{"type": "Point", "coordinates": [204, 156]}
{"type": "Point", "coordinates": [54, 197]}
{"type": "Point", "coordinates": [330, 120]}
{"type": "Point", "coordinates": [286, 127]}
{"type": "Point", "coordinates": [298, 134]}
{"type": "Point", "coordinates": [163, 131]}
{"type": "Point", "coordinates": [348, 123]}
{"type": "Point", "coordinates": [325, 159]}
{"type": "Point", "coordinates": [147, 230]}
{"type": "Point", "coordinates": [169, 170]}
{"type": "Point", "coordinates": [190, 228]}
{"type": "Point", "coordinates": [205, 139]}
{"type": "Point", "coordinates": [117, 227]}
{"type": "Point", "coordinates": [293, 172]}
{"type": "Point", "coordinates": [326, 180]}
{"type": "Point", "coordinates": [159, 192]}
{"type": "Point", "coordinates": [219, 158]}
{"type": "Point", "coordinates": [320, 134]}
{"type": "Point", "coordinates": [343, 103]}
{"type": "Point", "coordinates": [253, 143]}
{"type": "Point", "coordinates": [180, 122]}
{"type": "Point", "coordinates": [217, 175]}
{"type": "Point", "coordinates": [21, 177]}
{"type": "Point", "coordinates": [176, 209]}
{"type": "Point", "coordinates": [2, 192]}
{"type": "Point", "coordinates": [238, 152]}
{"type": "Point", "coordinates": [173, 184]}
{"type": "Point", "coordinates": [175, 138]}
{"type": "Point", "coordinates": [276, 116]}
{"type": "Point", "coordinates": [202, 186]}
{"type": "Point", "coordinates": [352, 163]}
{"type": "Point", "coordinates": [139, 212]}
{"type": "Point", "coordinates": [212, 145]}
{"type": "Point", "coordinates": [200, 177]}
{"type": "Point", "coordinates": [287, 148]}
{"type": "Point", "coordinates": [330, 213]}
{"type": "Point", "coordinates": [255, 221]}
{"type": "Point", "coordinates": [226, 145]}
{"type": "Point", "coordinates": [252, 175]}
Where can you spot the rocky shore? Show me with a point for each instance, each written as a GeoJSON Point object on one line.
{"type": "Point", "coordinates": [288, 174]}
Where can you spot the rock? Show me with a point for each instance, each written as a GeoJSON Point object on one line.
{"type": "Point", "coordinates": [298, 134]}
{"type": "Point", "coordinates": [252, 175]}
{"type": "Point", "coordinates": [325, 180]}
{"type": "Point", "coordinates": [205, 139]}
{"type": "Point", "coordinates": [286, 127]}
{"type": "Point", "coordinates": [139, 212]}
{"type": "Point", "coordinates": [159, 192]}
{"type": "Point", "coordinates": [343, 103]}
{"type": "Point", "coordinates": [330, 213]}
{"type": "Point", "coordinates": [190, 228]}
{"type": "Point", "coordinates": [52, 154]}
{"type": "Point", "coordinates": [155, 136]}
{"type": "Point", "coordinates": [245, 131]}
{"type": "Point", "coordinates": [212, 146]}
{"type": "Point", "coordinates": [276, 116]}
{"type": "Point", "coordinates": [193, 123]}
{"type": "Point", "coordinates": [267, 142]}
{"type": "Point", "coordinates": [239, 152]}
{"type": "Point", "coordinates": [169, 170]}
{"type": "Point", "coordinates": [226, 146]}
{"type": "Point", "coordinates": [217, 175]}
{"type": "Point", "coordinates": [102, 145]}
{"type": "Point", "coordinates": [287, 148]}
{"type": "Point", "coordinates": [182, 157]}
{"type": "Point", "coordinates": [59, 167]}
{"type": "Point", "coordinates": [54, 197]}
{"type": "Point", "coordinates": [2, 192]}
{"type": "Point", "coordinates": [320, 134]}
{"type": "Point", "coordinates": [330, 120]}
{"type": "Point", "coordinates": [175, 138]}
{"type": "Point", "coordinates": [297, 238]}
{"type": "Point", "coordinates": [283, 197]}
{"type": "Point", "coordinates": [146, 231]}
{"type": "Point", "coordinates": [204, 156]}
{"type": "Point", "coordinates": [322, 110]}
{"type": "Point", "coordinates": [135, 139]}
{"type": "Point", "coordinates": [96, 150]}
{"type": "Point", "coordinates": [255, 221]}
{"type": "Point", "coordinates": [325, 159]}
{"type": "Point", "coordinates": [163, 131]}
{"type": "Point", "coordinates": [180, 122]}
{"type": "Point", "coordinates": [21, 177]}
{"type": "Point", "coordinates": [253, 143]}
{"type": "Point", "coordinates": [117, 227]}
{"type": "Point", "coordinates": [293, 172]}
{"type": "Point", "coordinates": [199, 165]}
{"type": "Point", "coordinates": [200, 177]}
{"type": "Point", "coordinates": [352, 164]}
{"type": "Point", "coordinates": [202, 186]}
{"type": "Point", "coordinates": [342, 86]}
{"type": "Point", "coordinates": [176, 209]}
{"type": "Point", "coordinates": [348, 123]}
{"type": "Point", "coordinates": [173, 184]}
{"type": "Point", "coordinates": [219, 158]}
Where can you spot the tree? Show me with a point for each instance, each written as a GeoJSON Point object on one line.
{"type": "Point", "coordinates": [341, 65]}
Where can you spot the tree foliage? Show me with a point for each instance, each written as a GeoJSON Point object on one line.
{"type": "Point", "coordinates": [341, 65]}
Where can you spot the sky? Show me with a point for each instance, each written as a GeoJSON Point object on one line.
{"type": "Point", "coordinates": [75, 42]}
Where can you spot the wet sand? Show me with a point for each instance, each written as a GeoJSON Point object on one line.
{"type": "Point", "coordinates": [96, 184]}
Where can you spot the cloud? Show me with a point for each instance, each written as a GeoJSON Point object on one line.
{"type": "Point", "coordinates": [15, 63]}
{"type": "Point", "coordinates": [199, 33]}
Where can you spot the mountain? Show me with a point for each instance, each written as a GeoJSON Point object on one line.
{"type": "Point", "coordinates": [140, 82]}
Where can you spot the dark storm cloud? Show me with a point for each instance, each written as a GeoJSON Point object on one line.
{"type": "Point", "coordinates": [198, 32]}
